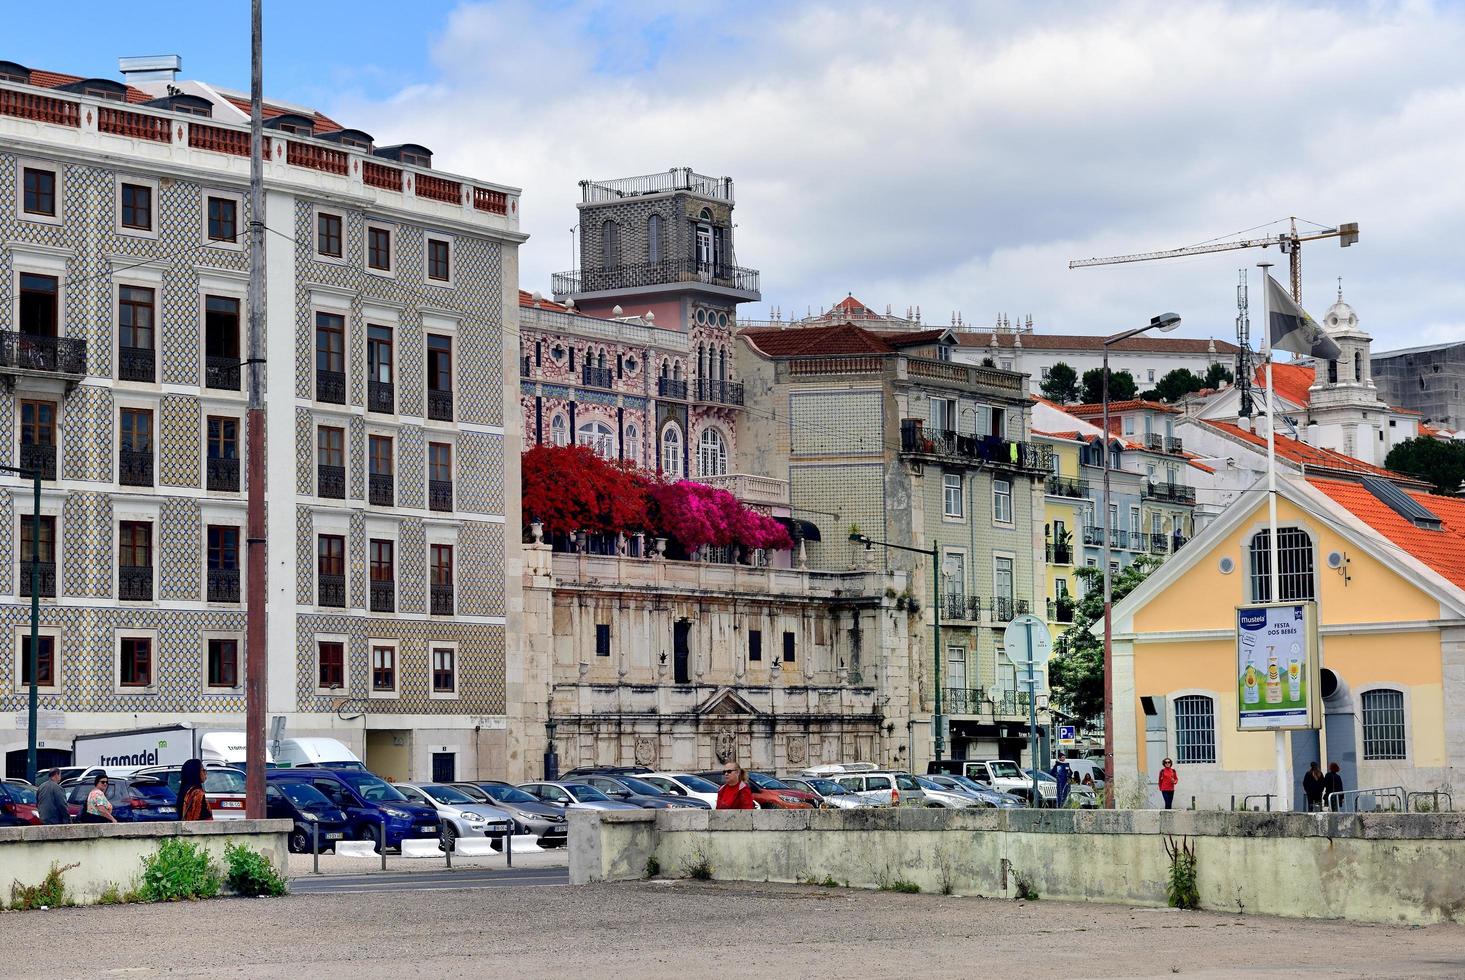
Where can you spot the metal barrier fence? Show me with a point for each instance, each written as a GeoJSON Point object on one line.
{"type": "Point", "coordinates": [1367, 800]}
{"type": "Point", "coordinates": [506, 827]}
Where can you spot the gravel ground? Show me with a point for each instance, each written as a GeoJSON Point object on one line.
{"type": "Point", "coordinates": [657, 930]}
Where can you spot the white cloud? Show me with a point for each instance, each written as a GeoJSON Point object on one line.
{"type": "Point", "coordinates": [957, 155]}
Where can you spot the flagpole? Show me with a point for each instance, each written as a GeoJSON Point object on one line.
{"type": "Point", "coordinates": [1279, 738]}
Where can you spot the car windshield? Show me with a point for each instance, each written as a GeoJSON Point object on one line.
{"type": "Point", "coordinates": [304, 795]}
{"type": "Point", "coordinates": [642, 787]}
{"type": "Point", "coordinates": [153, 793]}
{"type": "Point", "coordinates": [930, 784]}
{"type": "Point", "coordinates": [586, 794]}
{"type": "Point", "coordinates": [696, 784]}
{"type": "Point", "coordinates": [828, 787]}
{"type": "Point", "coordinates": [20, 794]}
{"type": "Point", "coordinates": [904, 781]}
{"type": "Point", "coordinates": [371, 788]}
{"type": "Point", "coordinates": [447, 794]}
{"type": "Point", "coordinates": [969, 783]}
{"type": "Point", "coordinates": [760, 781]}
{"type": "Point", "coordinates": [1004, 770]}
{"type": "Point", "coordinates": [507, 794]}
{"type": "Point", "coordinates": [223, 781]}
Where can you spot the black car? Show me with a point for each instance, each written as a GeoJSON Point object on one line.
{"type": "Point", "coordinates": [579, 771]}
{"type": "Point", "coordinates": [314, 816]}
{"type": "Point", "coordinates": [638, 792]}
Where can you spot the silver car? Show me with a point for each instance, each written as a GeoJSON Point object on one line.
{"type": "Point", "coordinates": [830, 793]}
{"type": "Point", "coordinates": [458, 813]}
{"type": "Point", "coordinates": [532, 816]}
{"type": "Point", "coordinates": [984, 795]}
{"type": "Point", "coordinates": [574, 796]}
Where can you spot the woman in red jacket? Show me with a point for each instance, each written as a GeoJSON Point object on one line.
{"type": "Point", "coordinates": [1168, 778]}
{"type": "Point", "coordinates": [734, 793]}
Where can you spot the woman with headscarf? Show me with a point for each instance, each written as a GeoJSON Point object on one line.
{"type": "Point", "coordinates": [193, 802]}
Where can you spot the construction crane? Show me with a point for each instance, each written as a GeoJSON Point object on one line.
{"type": "Point", "coordinates": [1289, 242]}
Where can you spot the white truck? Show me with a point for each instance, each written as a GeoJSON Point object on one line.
{"type": "Point", "coordinates": [168, 745]}
{"type": "Point", "coordinates": [1007, 776]}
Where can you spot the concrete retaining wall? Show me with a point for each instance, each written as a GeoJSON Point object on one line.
{"type": "Point", "coordinates": [112, 854]}
{"type": "Point", "coordinates": [1390, 868]}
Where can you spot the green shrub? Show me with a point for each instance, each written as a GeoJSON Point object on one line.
{"type": "Point", "coordinates": [900, 885]}
{"type": "Point", "coordinates": [1183, 891]}
{"type": "Point", "coordinates": [50, 893]}
{"type": "Point", "coordinates": [179, 870]}
{"type": "Point", "coordinates": [697, 867]}
{"type": "Point", "coordinates": [113, 894]}
{"type": "Point", "coordinates": [251, 873]}
{"type": "Point", "coordinates": [653, 867]}
{"type": "Point", "coordinates": [829, 882]}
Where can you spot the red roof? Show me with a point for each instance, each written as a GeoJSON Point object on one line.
{"type": "Point", "coordinates": [1442, 550]}
{"type": "Point", "coordinates": [1301, 453]}
{"type": "Point", "coordinates": [844, 338]}
{"type": "Point", "coordinates": [1096, 409]}
{"type": "Point", "coordinates": [526, 298]}
{"type": "Point", "coordinates": [323, 124]}
{"type": "Point", "coordinates": [850, 306]}
{"type": "Point", "coordinates": [1070, 436]}
{"type": "Point", "coordinates": [55, 79]}
{"type": "Point", "coordinates": [1094, 342]}
{"type": "Point", "coordinates": [1291, 381]}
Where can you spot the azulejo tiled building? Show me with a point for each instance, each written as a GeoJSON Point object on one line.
{"type": "Point", "coordinates": [392, 313]}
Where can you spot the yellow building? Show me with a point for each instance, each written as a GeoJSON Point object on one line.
{"type": "Point", "coordinates": [1385, 563]}
{"type": "Point", "coordinates": [1064, 493]}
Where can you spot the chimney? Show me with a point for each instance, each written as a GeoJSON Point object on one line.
{"type": "Point", "coordinates": [151, 68]}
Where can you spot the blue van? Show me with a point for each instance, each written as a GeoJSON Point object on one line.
{"type": "Point", "coordinates": [369, 802]}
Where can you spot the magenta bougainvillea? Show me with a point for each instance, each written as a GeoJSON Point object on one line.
{"type": "Point", "coordinates": [696, 515]}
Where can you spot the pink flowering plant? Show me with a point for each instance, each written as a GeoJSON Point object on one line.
{"type": "Point", "coordinates": [696, 515]}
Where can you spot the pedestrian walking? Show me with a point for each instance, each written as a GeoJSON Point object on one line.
{"type": "Point", "coordinates": [1314, 784]}
{"type": "Point", "coordinates": [1168, 778]}
{"type": "Point", "coordinates": [1063, 773]}
{"type": "Point", "coordinates": [98, 808]}
{"type": "Point", "coordinates": [193, 802]}
{"type": "Point", "coordinates": [51, 800]}
{"type": "Point", "coordinates": [734, 793]}
{"type": "Point", "coordinates": [1332, 783]}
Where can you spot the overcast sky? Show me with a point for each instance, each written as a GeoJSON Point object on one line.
{"type": "Point", "coordinates": [952, 156]}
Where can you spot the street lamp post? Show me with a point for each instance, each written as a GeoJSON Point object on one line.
{"type": "Point", "coordinates": [1164, 322]}
{"type": "Point", "coordinates": [33, 657]}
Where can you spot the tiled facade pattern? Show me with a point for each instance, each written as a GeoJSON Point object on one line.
{"type": "Point", "coordinates": [854, 491]}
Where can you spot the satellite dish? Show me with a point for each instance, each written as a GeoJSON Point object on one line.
{"type": "Point", "coordinates": [1335, 559]}
{"type": "Point", "coordinates": [1227, 565]}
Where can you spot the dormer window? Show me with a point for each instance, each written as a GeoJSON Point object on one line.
{"type": "Point", "coordinates": [417, 159]}
{"type": "Point", "coordinates": [412, 154]}
{"type": "Point", "coordinates": [12, 72]}
{"type": "Point", "coordinates": [292, 123]}
{"type": "Point", "coordinates": [354, 138]}
{"type": "Point", "coordinates": [98, 88]}
{"type": "Point", "coordinates": [191, 105]}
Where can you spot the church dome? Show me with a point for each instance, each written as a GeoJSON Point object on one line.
{"type": "Point", "coordinates": [1340, 316]}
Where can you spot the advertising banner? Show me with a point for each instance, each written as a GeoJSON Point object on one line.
{"type": "Point", "coordinates": [1277, 666]}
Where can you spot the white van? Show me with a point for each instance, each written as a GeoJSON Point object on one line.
{"type": "Point", "coordinates": [325, 753]}
{"type": "Point", "coordinates": [226, 749]}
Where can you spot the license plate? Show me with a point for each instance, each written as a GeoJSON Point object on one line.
{"type": "Point", "coordinates": [427, 828]}
{"type": "Point", "coordinates": [337, 836]}
{"type": "Point", "coordinates": [232, 805]}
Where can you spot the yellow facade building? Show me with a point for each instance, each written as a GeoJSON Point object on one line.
{"type": "Point", "coordinates": [1064, 493]}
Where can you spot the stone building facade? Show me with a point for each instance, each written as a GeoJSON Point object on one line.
{"type": "Point", "coordinates": [123, 319]}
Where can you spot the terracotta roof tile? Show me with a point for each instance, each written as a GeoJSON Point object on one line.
{"type": "Point", "coordinates": [1442, 550]}
{"type": "Point", "coordinates": [1094, 342]}
{"type": "Point", "coordinates": [1096, 409]}
{"type": "Point", "coordinates": [1292, 381]}
{"type": "Point", "coordinates": [845, 338]}
{"type": "Point", "coordinates": [323, 124]}
{"type": "Point", "coordinates": [55, 79]}
{"type": "Point", "coordinates": [1301, 453]}
{"type": "Point", "coordinates": [526, 298]}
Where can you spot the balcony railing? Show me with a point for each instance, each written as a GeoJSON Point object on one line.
{"type": "Point", "coordinates": [1060, 610]}
{"type": "Point", "coordinates": [380, 175]}
{"type": "Point", "coordinates": [671, 388]}
{"type": "Point", "coordinates": [440, 495]}
{"type": "Point", "coordinates": [223, 585]}
{"type": "Point", "coordinates": [383, 596]}
{"type": "Point", "coordinates": [1010, 704]}
{"type": "Point", "coordinates": [1059, 554]}
{"type": "Point", "coordinates": [965, 701]}
{"type": "Point", "coordinates": [494, 202]}
{"type": "Point", "coordinates": [1067, 486]}
{"type": "Point", "coordinates": [1093, 535]}
{"type": "Point", "coordinates": [48, 355]}
{"type": "Point", "coordinates": [1174, 492]}
{"type": "Point", "coordinates": [665, 272]}
{"type": "Point", "coordinates": [330, 386]}
{"type": "Point", "coordinates": [37, 456]}
{"type": "Point", "coordinates": [382, 489]}
{"type": "Point", "coordinates": [316, 158]}
{"type": "Point", "coordinates": [134, 124]}
{"type": "Point", "coordinates": [442, 600]}
{"type": "Point", "coordinates": [136, 364]}
{"type": "Point", "coordinates": [1155, 441]}
{"type": "Point", "coordinates": [223, 474]}
{"type": "Point", "coordinates": [439, 189]}
{"type": "Point", "coordinates": [721, 392]}
{"type": "Point", "coordinates": [134, 469]}
{"type": "Point", "coordinates": [1005, 609]}
{"type": "Point", "coordinates": [221, 373]}
{"type": "Point", "coordinates": [1174, 444]}
{"type": "Point", "coordinates": [331, 591]}
{"type": "Point", "coordinates": [40, 108]}
{"type": "Point", "coordinates": [48, 579]}
{"type": "Point", "coordinates": [381, 396]}
{"type": "Point", "coordinates": [1177, 542]}
{"type": "Point", "coordinates": [956, 606]}
{"type": "Point", "coordinates": [330, 481]}
{"type": "Point", "coordinates": [598, 377]}
{"type": "Point", "coordinates": [135, 583]}
{"type": "Point", "coordinates": [440, 404]}
{"type": "Point", "coordinates": [675, 179]}
{"type": "Point", "coordinates": [993, 450]}
{"type": "Point", "coordinates": [1158, 544]}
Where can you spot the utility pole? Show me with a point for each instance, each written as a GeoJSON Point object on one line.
{"type": "Point", "coordinates": [256, 663]}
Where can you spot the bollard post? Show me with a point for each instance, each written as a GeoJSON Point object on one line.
{"type": "Point", "coordinates": [1233, 801]}
{"type": "Point", "coordinates": [448, 851]}
{"type": "Point", "coordinates": [509, 847]}
{"type": "Point", "coordinates": [1192, 802]}
{"type": "Point", "coordinates": [381, 840]}
{"type": "Point", "coordinates": [315, 847]}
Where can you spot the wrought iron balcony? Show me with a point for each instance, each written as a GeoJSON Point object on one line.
{"type": "Point", "coordinates": [965, 700]}
{"type": "Point", "coordinates": [1177, 493]}
{"type": "Point", "coordinates": [383, 596]}
{"type": "Point", "coordinates": [1093, 535]}
{"type": "Point", "coordinates": [221, 373]}
{"type": "Point", "coordinates": [381, 396]}
{"type": "Point", "coordinates": [721, 392]}
{"type": "Point", "coordinates": [330, 386]}
{"type": "Point", "coordinates": [440, 405]}
{"type": "Point", "coordinates": [38, 456]}
{"type": "Point", "coordinates": [671, 388]}
{"type": "Point", "coordinates": [1159, 544]}
{"type": "Point", "coordinates": [330, 481]}
{"type": "Point", "coordinates": [440, 495]}
{"type": "Point", "coordinates": [442, 600]}
{"type": "Point", "coordinates": [995, 451]}
{"type": "Point", "coordinates": [134, 469]}
{"type": "Point", "coordinates": [1059, 554]}
{"type": "Point", "coordinates": [667, 271]}
{"type": "Point", "coordinates": [1005, 609]}
{"type": "Point", "coordinates": [956, 606]}
{"type": "Point", "coordinates": [137, 364]}
{"type": "Point", "coordinates": [1011, 704]}
{"type": "Point", "coordinates": [1067, 486]}
{"type": "Point", "coordinates": [223, 585]}
{"type": "Point", "coordinates": [331, 591]}
{"type": "Point", "coordinates": [597, 377]}
{"type": "Point", "coordinates": [223, 474]}
{"type": "Point", "coordinates": [1155, 441]}
{"type": "Point", "coordinates": [48, 578]}
{"type": "Point", "coordinates": [1174, 444]}
{"type": "Point", "coordinates": [1060, 610]}
{"type": "Point", "coordinates": [25, 353]}
{"type": "Point", "coordinates": [382, 490]}
{"type": "Point", "coordinates": [135, 583]}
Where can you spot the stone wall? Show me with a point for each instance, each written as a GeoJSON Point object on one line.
{"type": "Point", "coordinates": [1387, 868]}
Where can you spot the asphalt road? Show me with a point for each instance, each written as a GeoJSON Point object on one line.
{"type": "Point", "coordinates": [400, 881]}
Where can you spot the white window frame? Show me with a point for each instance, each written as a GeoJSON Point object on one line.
{"type": "Point", "coordinates": [559, 436]}
{"type": "Point", "coordinates": [135, 180]}
{"type": "Point", "coordinates": [1404, 691]}
{"type": "Point", "coordinates": [600, 433]}
{"type": "Point", "coordinates": [118, 634]}
{"type": "Point", "coordinates": [427, 238]}
{"type": "Point", "coordinates": [997, 497]}
{"type": "Point", "coordinates": [210, 691]}
{"type": "Point", "coordinates": [676, 471]}
{"type": "Point", "coordinates": [22, 633]}
{"type": "Point", "coordinates": [946, 497]}
{"type": "Point", "coordinates": [432, 647]}
{"type": "Point", "coordinates": [1173, 730]}
{"type": "Point", "coordinates": [22, 164]}
{"type": "Point", "coordinates": [392, 230]}
{"type": "Point", "coordinates": [345, 256]}
{"type": "Point", "coordinates": [956, 653]}
{"type": "Point", "coordinates": [337, 524]}
{"type": "Point", "coordinates": [241, 227]}
{"type": "Point", "coordinates": [718, 452]}
{"type": "Point", "coordinates": [345, 642]}
{"type": "Point", "coordinates": [371, 647]}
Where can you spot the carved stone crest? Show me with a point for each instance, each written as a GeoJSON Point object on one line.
{"type": "Point", "coordinates": [724, 746]}
{"type": "Point", "coordinates": [797, 750]}
{"type": "Point", "coordinates": [645, 750]}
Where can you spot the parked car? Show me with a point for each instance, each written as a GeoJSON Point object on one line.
{"type": "Point", "coordinates": [574, 796]}
{"type": "Point", "coordinates": [20, 782]}
{"type": "Point", "coordinates": [629, 789]}
{"type": "Point", "coordinates": [831, 794]}
{"type": "Point", "coordinates": [223, 785]}
{"type": "Point", "coordinates": [372, 805]}
{"type": "Point", "coordinates": [984, 795]}
{"type": "Point", "coordinates": [531, 816]}
{"type": "Point", "coordinates": [1008, 776]}
{"type": "Point", "coordinates": [683, 784]}
{"type": "Point", "coordinates": [313, 814]}
{"type": "Point", "coordinates": [459, 813]}
{"type": "Point", "coordinates": [579, 771]}
{"type": "Point", "coordinates": [134, 799]}
{"type": "Point", "coordinates": [1085, 796]}
{"type": "Point", "coordinates": [938, 795]}
{"type": "Point", "coordinates": [18, 805]}
{"type": "Point", "coordinates": [881, 787]}
{"type": "Point", "coordinates": [773, 794]}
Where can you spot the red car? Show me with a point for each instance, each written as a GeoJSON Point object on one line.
{"type": "Point", "coordinates": [223, 785]}
{"type": "Point", "coordinates": [18, 806]}
{"type": "Point", "coordinates": [770, 794]}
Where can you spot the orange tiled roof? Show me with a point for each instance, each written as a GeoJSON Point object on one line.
{"type": "Point", "coordinates": [1301, 453]}
{"type": "Point", "coordinates": [1096, 409]}
{"type": "Point", "coordinates": [1442, 550]}
{"type": "Point", "coordinates": [526, 298]}
{"type": "Point", "coordinates": [1290, 380]}
{"type": "Point", "coordinates": [1071, 436]}
{"type": "Point", "coordinates": [55, 79]}
{"type": "Point", "coordinates": [323, 124]}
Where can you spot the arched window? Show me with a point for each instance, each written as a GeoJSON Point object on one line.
{"type": "Point", "coordinates": [632, 448]}
{"type": "Point", "coordinates": [666, 369]}
{"type": "Point", "coordinates": [653, 238]}
{"type": "Point", "coordinates": [705, 247]}
{"type": "Point", "coordinates": [599, 437]}
{"type": "Point", "coordinates": [610, 245]}
{"type": "Point", "coordinates": [701, 361]}
{"type": "Point", "coordinates": [1294, 558]}
{"type": "Point", "coordinates": [559, 431]}
{"type": "Point", "coordinates": [1384, 733]}
{"type": "Point", "coordinates": [711, 454]}
{"type": "Point", "coordinates": [671, 451]}
{"type": "Point", "coordinates": [1195, 729]}
{"type": "Point", "coordinates": [1358, 365]}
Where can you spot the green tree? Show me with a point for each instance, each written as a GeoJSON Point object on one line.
{"type": "Point", "coordinates": [1438, 462]}
{"type": "Point", "coordinates": [1121, 386]}
{"type": "Point", "coordinates": [1076, 672]}
{"type": "Point", "coordinates": [1178, 383]}
{"type": "Point", "coordinates": [1061, 384]}
{"type": "Point", "coordinates": [1218, 375]}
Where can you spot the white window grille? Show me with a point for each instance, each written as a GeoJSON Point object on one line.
{"type": "Point", "coordinates": [559, 431]}
{"type": "Point", "coordinates": [671, 452]}
{"type": "Point", "coordinates": [711, 454]}
{"type": "Point", "coordinates": [952, 495]}
{"type": "Point", "coordinates": [1294, 558]}
{"type": "Point", "coordinates": [599, 437]}
{"type": "Point", "coordinates": [1195, 729]}
{"type": "Point", "coordinates": [1384, 735]}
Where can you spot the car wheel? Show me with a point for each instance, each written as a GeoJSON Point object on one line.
{"type": "Point", "coordinates": [449, 836]}
{"type": "Point", "coordinates": [368, 832]}
{"type": "Point", "coordinates": [299, 842]}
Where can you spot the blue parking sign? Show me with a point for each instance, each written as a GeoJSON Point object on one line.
{"type": "Point", "coordinates": [1067, 733]}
